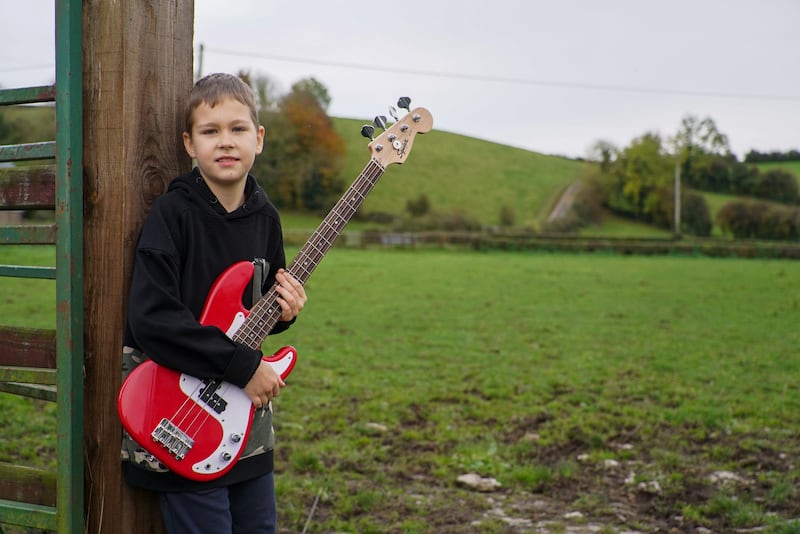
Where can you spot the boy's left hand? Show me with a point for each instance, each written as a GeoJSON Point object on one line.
{"type": "Point", "coordinates": [292, 296]}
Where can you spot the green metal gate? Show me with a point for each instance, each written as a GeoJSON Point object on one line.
{"type": "Point", "coordinates": [26, 352]}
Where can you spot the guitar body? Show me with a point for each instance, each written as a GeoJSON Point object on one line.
{"type": "Point", "coordinates": [197, 428]}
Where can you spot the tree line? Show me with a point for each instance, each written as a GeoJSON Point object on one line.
{"type": "Point", "coordinates": [754, 156]}
{"type": "Point", "coordinates": [639, 180]}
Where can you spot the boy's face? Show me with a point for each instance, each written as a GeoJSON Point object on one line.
{"type": "Point", "coordinates": [224, 141]}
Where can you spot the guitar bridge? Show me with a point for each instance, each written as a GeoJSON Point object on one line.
{"type": "Point", "coordinates": [172, 438]}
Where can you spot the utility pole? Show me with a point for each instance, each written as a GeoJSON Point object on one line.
{"type": "Point", "coordinates": [199, 73]}
{"type": "Point", "coordinates": [677, 230]}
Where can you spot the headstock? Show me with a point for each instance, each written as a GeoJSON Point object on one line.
{"type": "Point", "coordinates": [394, 144]}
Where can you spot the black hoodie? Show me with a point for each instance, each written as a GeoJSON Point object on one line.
{"type": "Point", "coordinates": [188, 239]}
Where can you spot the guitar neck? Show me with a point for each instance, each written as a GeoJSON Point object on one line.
{"type": "Point", "coordinates": [265, 313]}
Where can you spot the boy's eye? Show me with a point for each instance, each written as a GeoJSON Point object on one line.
{"type": "Point", "coordinates": [207, 131]}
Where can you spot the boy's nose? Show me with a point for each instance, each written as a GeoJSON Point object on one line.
{"type": "Point", "coordinates": [225, 139]}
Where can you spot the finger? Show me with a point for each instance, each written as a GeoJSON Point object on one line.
{"type": "Point", "coordinates": [286, 309]}
{"type": "Point", "coordinates": [290, 282]}
{"type": "Point", "coordinates": [295, 299]}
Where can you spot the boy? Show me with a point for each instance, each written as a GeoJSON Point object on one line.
{"type": "Point", "coordinates": [207, 220]}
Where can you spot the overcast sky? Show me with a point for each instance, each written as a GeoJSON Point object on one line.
{"type": "Point", "coordinates": [545, 75]}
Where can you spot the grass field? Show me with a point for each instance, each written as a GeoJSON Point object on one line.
{"type": "Point", "coordinates": [617, 392]}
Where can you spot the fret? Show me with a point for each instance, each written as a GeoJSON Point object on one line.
{"type": "Point", "coordinates": [322, 249]}
{"type": "Point", "coordinates": [299, 270]}
{"type": "Point", "coordinates": [330, 233]}
{"type": "Point", "coordinates": [326, 239]}
{"type": "Point", "coordinates": [335, 225]}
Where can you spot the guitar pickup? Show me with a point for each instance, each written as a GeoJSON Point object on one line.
{"type": "Point", "coordinates": [172, 438]}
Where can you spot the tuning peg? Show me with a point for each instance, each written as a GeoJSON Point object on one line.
{"type": "Point", "coordinates": [404, 103]}
{"type": "Point", "coordinates": [380, 122]}
{"type": "Point", "coordinates": [367, 131]}
{"type": "Point", "coordinates": [393, 113]}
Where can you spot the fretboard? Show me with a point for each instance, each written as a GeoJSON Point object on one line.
{"type": "Point", "coordinates": [265, 313]}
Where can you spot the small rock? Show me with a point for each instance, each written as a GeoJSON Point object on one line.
{"type": "Point", "coordinates": [650, 487]}
{"type": "Point", "coordinates": [722, 477]}
{"type": "Point", "coordinates": [631, 478]}
{"type": "Point", "coordinates": [478, 483]}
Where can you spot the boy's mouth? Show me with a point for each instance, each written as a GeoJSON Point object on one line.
{"type": "Point", "coordinates": [227, 160]}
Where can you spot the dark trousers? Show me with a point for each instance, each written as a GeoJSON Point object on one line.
{"type": "Point", "coordinates": [245, 508]}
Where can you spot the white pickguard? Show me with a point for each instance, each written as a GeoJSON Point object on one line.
{"type": "Point", "coordinates": [234, 421]}
{"type": "Point", "coordinates": [238, 320]}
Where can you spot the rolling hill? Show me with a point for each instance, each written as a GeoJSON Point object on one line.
{"type": "Point", "coordinates": [464, 174]}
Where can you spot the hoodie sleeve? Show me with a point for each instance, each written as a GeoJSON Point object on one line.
{"type": "Point", "coordinates": [166, 330]}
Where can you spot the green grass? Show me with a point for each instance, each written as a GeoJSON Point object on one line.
{"type": "Point", "coordinates": [791, 166]}
{"type": "Point", "coordinates": [418, 366]}
{"type": "Point", "coordinates": [460, 173]}
{"type": "Point", "coordinates": [24, 301]}
{"type": "Point", "coordinates": [616, 226]}
{"type": "Point", "coordinates": [461, 356]}
{"type": "Point", "coordinates": [31, 123]}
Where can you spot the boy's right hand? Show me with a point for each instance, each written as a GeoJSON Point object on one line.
{"type": "Point", "coordinates": [264, 385]}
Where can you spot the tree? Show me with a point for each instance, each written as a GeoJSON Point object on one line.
{"type": "Point", "coordinates": [603, 152]}
{"type": "Point", "coordinates": [314, 88]}
{"type": "Point", "coordinates": [700, 136]}
{"type": "Point", "coordinates": [265, 89]}
{"type": "Point", "coordinates": [779, 185]}
{"type": "Point", "coordinates": [640, 171]}
{"type": "Point", "coordinates": [744, 178]}
{"type": "Point", "coordinates": [710, 172]}
{"type": "Point", "coordinates": [695, 215]}
{"type": "Point", "coordinates": [303, 155]}
{"type": "Point", "coordinates": [697, 140]}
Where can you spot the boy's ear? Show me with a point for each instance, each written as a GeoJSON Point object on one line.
{"type": "Point", "coordinates": [188, 145]}
{"type": "Point", "coordinates": [261, 134]}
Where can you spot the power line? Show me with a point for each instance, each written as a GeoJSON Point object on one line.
{"type": "Point", "coordinates": [512, 80]}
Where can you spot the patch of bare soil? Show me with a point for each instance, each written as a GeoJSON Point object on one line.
{"type": "Point", "coordinates": [620, 496]}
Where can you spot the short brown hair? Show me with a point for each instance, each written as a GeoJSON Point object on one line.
{"type": "Point", "coordinates": [213, 89]}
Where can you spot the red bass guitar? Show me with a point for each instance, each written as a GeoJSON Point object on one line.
{"type": "Point", "coordinates": [198, 427]}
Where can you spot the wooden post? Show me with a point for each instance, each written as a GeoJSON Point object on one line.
{"type": "Point", "coordinates": [137, 73]}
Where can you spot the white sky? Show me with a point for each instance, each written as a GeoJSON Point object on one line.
{"type": "Point", "coordinates": [552, 76]}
